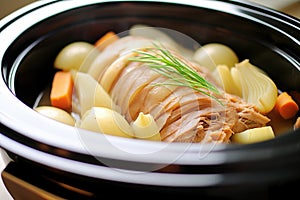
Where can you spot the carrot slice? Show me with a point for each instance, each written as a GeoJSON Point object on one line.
{"type": "Point", "coordinates": [106, 39]}
{"type": "Point", "coordinates": [286, 106]}
{"type": "Point", "coordinates": [61, 91]}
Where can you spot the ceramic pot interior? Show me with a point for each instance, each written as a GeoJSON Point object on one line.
{"type": "Point", "coordinates": [29, 60]}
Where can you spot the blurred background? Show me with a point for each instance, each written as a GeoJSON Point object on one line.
{"type": "Point", "coordinates": [8, 6]}
{"type": "Point", "coordinates": [291, 7]}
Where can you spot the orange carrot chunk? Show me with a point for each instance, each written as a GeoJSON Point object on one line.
{"type": "Point", "coordinates": [286, 106]}
{"type": "Point", "coordinates": [106, 39]}
{"type": "Point", "coordinates": [61, 91]}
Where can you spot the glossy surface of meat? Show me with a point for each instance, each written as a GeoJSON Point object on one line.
{"type": "Point", "coordinates": [182, 114]}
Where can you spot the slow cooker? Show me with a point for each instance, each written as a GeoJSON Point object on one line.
{"type": "Point", "coordinates": [53, 161]}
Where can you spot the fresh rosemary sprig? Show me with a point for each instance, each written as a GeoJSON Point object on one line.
{"type": "Point", "coordinates": [165, 63]}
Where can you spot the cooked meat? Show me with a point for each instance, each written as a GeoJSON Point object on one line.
{"type": "Point", "coordinates": [182, 114]}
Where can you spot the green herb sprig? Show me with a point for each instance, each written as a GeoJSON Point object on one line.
{"type": "Point", "coordinates": [165, 63]}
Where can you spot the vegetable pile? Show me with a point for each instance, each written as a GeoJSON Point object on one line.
{"type": "Point", "coordinates": [147, 86]}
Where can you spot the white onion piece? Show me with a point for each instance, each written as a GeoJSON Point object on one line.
{"type": "Point", "coordinates": [144, 127]}
{"type": "Point", "coordinates": [224, 78]}
{"type": "Point", "coordinates": [73, 55]}
{"type": "Point", "coordinates": [107, 121]}
{"type": "Point", "coordinates": [90, 93]}
{"type": "Point", "coordinates": [56, 114]}
{"type": "Point", "coordinates": [257, 88]}
{"type": "Point", "coordinates": [213, 54]}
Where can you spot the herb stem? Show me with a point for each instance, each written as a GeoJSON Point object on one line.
{"type": "Point", "coordinates": [164, 62]}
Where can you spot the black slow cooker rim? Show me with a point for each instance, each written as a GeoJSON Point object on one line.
{"type": "Point", "coordinates": [288, 141]}
{"type": "Point", "coordinates": [219, 176]}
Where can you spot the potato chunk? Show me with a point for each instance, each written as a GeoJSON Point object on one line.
{"type": "Point", "coordinates": [253, 135]}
